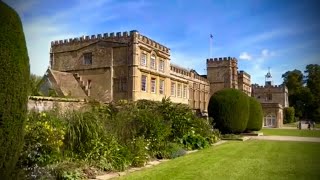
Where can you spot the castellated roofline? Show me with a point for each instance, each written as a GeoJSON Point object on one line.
{"type": "Point", "coordinates": [221, 59]}
{"type": "Point", "coordinates": [268, 86]}
{"type": "Point", "coordinates": [111, 36]}
{"type": "Point", "coordinates": [153, 43]}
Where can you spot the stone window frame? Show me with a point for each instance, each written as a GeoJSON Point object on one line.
{"type": "Point", "coordinates": [144, 85]}
{"type": "Point", "coordinates": [153, 62]}
{"type": "Point", "coordinates": [173, 89]}
{"type": "Point", "coordinates": [179, 90]}
{"type": "Point", "coordinates": [143, 59]}
{"type": "Point", "coordinates": [161, 65]}
{"type": "Point", "coordinates": [121, 84]}
{"type": "Point", "coordinates": [153, 85]}
{"type": "Point", "coordinates": [185, 93]}
{"type": "Point", "coordinates": [87, 58]}
{"type": "Point", "coordinates": [161, 86]}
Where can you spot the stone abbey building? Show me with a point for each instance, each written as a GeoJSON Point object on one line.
{"type": "Point", "coordinates": [130, 66]}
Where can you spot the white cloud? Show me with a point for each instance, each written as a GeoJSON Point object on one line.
{"type": "Point", "coordinates": [245, 56]}
{"type": "Point", "coordinates": [266, 53]}
{"type": "Point", "coordinates": [68, 22]}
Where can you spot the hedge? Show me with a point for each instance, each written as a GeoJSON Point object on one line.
{"type": "Point", "coordinates": [14, 79]}
{"type": "Point", "coordinates": [255, 115]}
{"type": "Point", "coordinates": [230, 110]}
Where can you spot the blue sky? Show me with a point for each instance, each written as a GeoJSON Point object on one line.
{"type": "Point", "coordinates": [280, 34]}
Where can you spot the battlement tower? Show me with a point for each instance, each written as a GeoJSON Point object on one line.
{"type": "Point", "coordinates": [222, 73]}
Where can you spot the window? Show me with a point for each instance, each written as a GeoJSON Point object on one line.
{"type": "Point", "coordinates": [185, 91]}
{"type": "Point", "coordinates": [144, 83]}
{"type": "Point", "coordinates": [269, 96]}
{"type": "Point", "coordinates": [161, 87]}
{"type": "Point", "coordinates": [143, 60]}
{"type": "Point", "coordinates": [153, 62]}
{"type": "Point", "coordinates": [153, 85]}
{"type": "Point", "coordinates": [121, 84]}
{"type": "Point", "coordinates": [87, 58]}
{"type": "Point", "coordinates": [161, 65]}
{"type": "Point", "coordinates": [173, 89]}
{"type": "Point", "coordinates": [179, 90]}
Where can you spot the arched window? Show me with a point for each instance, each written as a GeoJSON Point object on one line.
{"type": "Point", "coordinates": [269, 120]}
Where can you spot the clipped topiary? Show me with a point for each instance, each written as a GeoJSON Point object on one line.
{"type": "Point", "coordinates": [255, 115]}
{"type": "Point", "coordinates": [230, 110]}
{"type": "Point", "coordinates": [14, 79]}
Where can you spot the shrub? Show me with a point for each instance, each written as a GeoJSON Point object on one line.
{"type": "Point", "coordinates": [14, 81]}
{"type": "Point", "coordinates": [87, 139]}
{"type": "Point", "coordinates": [255, 115]}
{"type": "Point", "coordinates": [68, 170]}
{"type": "Point", "coordinates": [230, 110]}
{"type": "Point", "coordinates": [192, 141]}
{"type": "Point", "coordinates": [139, 151]}
{"type": "Point", "coordinates": [43, 140]}
{"type": "Point", "coordinates": [174, 150]}
{"type": "Point", "coordinates": [288, 114]}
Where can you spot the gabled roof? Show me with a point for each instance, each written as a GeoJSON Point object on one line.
{"type": "Point", "coordinates": [65, 83]}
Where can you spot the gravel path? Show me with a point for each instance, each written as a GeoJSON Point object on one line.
{"type": "Point", "coordinates": [287, 138]}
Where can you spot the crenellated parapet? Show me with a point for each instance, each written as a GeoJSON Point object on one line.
{"type": "Point", "coordinates": [152, 43]}
{"type": "Point", "coordinates": [227, 61]}
{"type": "Point", "coordinates": [118, 37]}
{"type": "Point", "coordinates": [268, 86]}
{"type": "Point", "coordinates": [106, 36]}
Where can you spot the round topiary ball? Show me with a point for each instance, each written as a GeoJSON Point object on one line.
{"type": "Point", "coordinates": [230, 110]}
{"type": "Point", "coordinates": [255, 115]}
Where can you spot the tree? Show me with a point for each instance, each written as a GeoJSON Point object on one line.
{"type": "Point", "coordinates": [288, 114]}
{"type": "Point", "coordinates": [293, 80]}
{"type": "Point", "coordinates": [14, 82]}
{"type": "Point", "coordinates": [313, 83]}
{"type": "Point", "coordinates": [34, 84]}
{"type": "Point", "coordinates": [313, 79]}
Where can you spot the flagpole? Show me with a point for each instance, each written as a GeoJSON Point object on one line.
{"type": "Point", "coordinates": [210, 46]}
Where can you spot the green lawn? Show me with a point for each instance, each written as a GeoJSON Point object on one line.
{"type": "Point", "coordinates": [290, 132]}
{"type": "Point", "coordinates": [290, 125]}
{"type": "Point", "coordinates": [294, 124]}
{"type": "Point", "coordinates": [251, 159]}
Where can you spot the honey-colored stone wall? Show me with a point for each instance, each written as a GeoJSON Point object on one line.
{"type": "Point", "coordinates": [222, 73]}
{"type": "Point", "coordinates": [278, 94]}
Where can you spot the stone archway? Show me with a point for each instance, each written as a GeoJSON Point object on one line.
{"type": "Point", "coordinates": [270, 120]}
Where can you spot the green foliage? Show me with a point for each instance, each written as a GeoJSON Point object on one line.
{"type": "Point", "coordinates": [67, 170]}
{"type": "Point", "coordinates": [192, 141]}
{"type": "Point", "coordinates": [230, 110]}
{"type": "Point", "coordinates": [139, 151]}
{"type": "Point", "coordinates": [174, 150]}
{"type": "Point", "coordinates": [34, 85]}
{"type": "Point", "coordinates": [111, 137]}
{"type": "Point", "coordinates": [304, 99]}
{"type": "Point", "coordinates": [14, 81]}
{"type": "Point", "coordinates": [43, 140]}
{"type": "Point", "coordinates": [293, 80]}
{"type": "Point", "coordinates": [255, 115]}
{"type": "Point", "coordinates": [86, 138]}
{"type": "Point", "coordinates": [288, 115]}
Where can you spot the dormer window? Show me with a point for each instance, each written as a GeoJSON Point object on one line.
{"type": "Point", "coordinates": [87, 58]}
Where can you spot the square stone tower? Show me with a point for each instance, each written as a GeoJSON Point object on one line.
{"type": "Point", "coordinates": [222, 73]}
